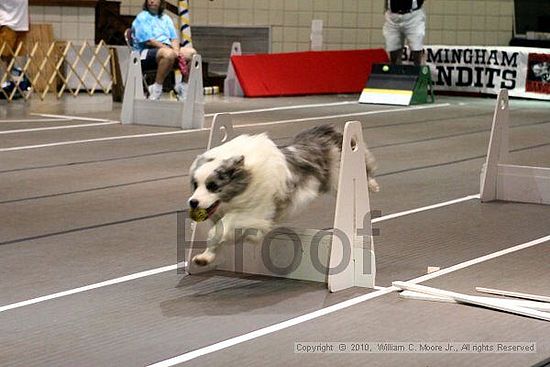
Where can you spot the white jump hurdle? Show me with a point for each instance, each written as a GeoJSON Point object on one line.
{"type": "Point", "coordinates": [136, 109]}
{"type": "Point", "coordinates": [231, 85]}
{"type": "Point", "coordinates": [503, 181]}
{"type": "Point", "coordinates": [342, 257]}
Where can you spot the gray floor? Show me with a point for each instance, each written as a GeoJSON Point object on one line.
{"type": "Point", "coordinates": [79, 213]}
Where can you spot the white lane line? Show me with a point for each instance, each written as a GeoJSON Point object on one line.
{"type": "Point", "coordinates": [172, 267]}
{"type": "Point", "coordinates": [286, 108]}
{"type": "Point", "coordinates": [66, 117]}
{"type": "Point", "coordinates": [112, 138]}
{"type": "Point", "coordinates": [34, 120]}
{"type": "Point", "coordinates": [314, 105]}
{"type": "Point", "coordinates": [57, 127]}
{"type": "Point", "coordinates": [408, 109]}
{"type": "Point", "coordinates": [270, 329]}
{"type": "Point", "coordinates": [336, 307]}
{"type": "Point", "coordinates": [481, 259]}
{"type": "Point", "coordinates": [89, 287]}
{"type": "Point", "coordinates": [429, 207]}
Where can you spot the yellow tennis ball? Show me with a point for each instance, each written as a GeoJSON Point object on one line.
{"type": "Point", "coordinates": [198, 214]}
{"type": "Point", "coordinates": [385, 68]}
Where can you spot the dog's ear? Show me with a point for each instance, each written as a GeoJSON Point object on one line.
{"type": "Point", "coordinates": [199, 161]}
{"type": "Point", "coordinates": [236, 161]}
{"type": "Point", "coordinates": [232, 166]}
{"type": "Point", "coordinates": [195, 164]}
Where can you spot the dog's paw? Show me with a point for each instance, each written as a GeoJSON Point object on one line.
{"type": "Point", "coordinates": [203, 259]}
{"type": "Point", "coordinates": [373, 185]}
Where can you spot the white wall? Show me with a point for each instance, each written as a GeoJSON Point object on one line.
{"type": "Point", "coordinates": [69, 23]}
{"type": "Point", "coordinates": [348, 24]}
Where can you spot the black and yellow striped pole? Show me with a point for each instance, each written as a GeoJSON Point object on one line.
{"type": "Point", "coordinates": [185, 27]}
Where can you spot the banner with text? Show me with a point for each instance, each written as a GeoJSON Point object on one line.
{"type": "Point", "coordinates": [525, 72]}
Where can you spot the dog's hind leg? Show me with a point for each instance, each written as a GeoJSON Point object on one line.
{"type": "Point", "coordinates": [371, 166]}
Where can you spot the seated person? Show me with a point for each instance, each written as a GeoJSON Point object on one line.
{"type": "Point", "coordinates": [154, 36]}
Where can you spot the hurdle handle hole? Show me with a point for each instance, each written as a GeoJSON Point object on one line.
{"type": "Point", "coordinates": [503, 104]}
{"type": "Point", "coordinates": [223, 131]}
{"type": "Point", "coordinates": [353, 143]}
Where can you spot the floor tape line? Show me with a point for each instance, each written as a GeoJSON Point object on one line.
{"type": "Point", "coordinates": [336, 307]}
{"type": "Point", "coordinates": [18, 131]}
{"type": "Point", "coordinates": [165, 133]}
{"type": "Point", "coordinates": [89, 287]}
{"type": "Point", "coordinates": [173, 267]}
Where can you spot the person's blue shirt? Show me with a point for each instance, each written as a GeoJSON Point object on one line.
{"type": "Point", "coordinates": [147, 26]}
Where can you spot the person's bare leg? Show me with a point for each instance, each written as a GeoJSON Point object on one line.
{"type": "Point", "coordinates": [187, 53]}
{"type": "Point", "coordinates": [165, 63]}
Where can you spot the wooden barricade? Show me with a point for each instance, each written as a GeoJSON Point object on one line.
{"type": "Point", "coordinates": [55, 66]}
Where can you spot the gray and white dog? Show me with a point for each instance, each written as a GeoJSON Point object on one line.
{"type": "Point", "coordinates": [250, 183]}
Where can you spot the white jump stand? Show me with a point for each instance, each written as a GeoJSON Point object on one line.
{"type": "Point", "coordinates": [342, 257]}
{"type": "Point", "coordinates": [503, 181]}
{"type": "Point", "coordinates": [136, 109]}
{"type": "Point", "coordinates": [231, 85]}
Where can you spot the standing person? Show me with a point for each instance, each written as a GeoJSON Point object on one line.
{"type": "Point", "coordinates": [405, 19]}
{"type": "Point", "coordinates": [14, 23]}
{"type": "Point", "coordinates": [154, 36]}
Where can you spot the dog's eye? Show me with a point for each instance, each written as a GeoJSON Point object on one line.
{"type": "Point", "coordinates": [194, 184]}
{"type": "Point", "coordinates": [212, 187]}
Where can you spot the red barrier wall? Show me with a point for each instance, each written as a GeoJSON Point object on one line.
{"type": "Point", "coordinates": [309, 72]}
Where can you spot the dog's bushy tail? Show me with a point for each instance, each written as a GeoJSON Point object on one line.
{"type": "Point", "coordinates": [327, 135]}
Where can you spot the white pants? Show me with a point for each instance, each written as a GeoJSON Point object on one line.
{"type": "Point", "coordinates": [410, 26]}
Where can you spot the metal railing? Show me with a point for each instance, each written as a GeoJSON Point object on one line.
{"type": "Point", "coordinates": [58, 68]}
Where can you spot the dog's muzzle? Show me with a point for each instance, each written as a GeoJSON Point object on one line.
{"type": "Point", "coordinates": [201, 214]}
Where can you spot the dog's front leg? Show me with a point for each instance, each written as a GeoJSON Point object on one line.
{"type": "Point", "coordinates": [206, 257]}
{"type": "Point", "coordinates": [230, 228]}
{"type": "Point", "coordinates": [217, 236]}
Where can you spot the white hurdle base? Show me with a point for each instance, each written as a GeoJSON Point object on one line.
{"type": "Point", "coordinates": [136, 109]}
{"type": "Point", "coordinates": [231, 85]}
{"type": "Point", "coordinates": [286, 256]}
{"type": "Point", "coordinates": [350, 253]}
{"type": "Point", "coordinates": [503, 181]}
